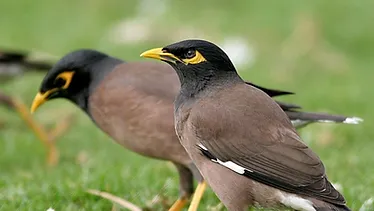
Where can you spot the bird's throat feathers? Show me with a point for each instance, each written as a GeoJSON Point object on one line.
{"type": "Point", "coordinates": [88, 81]}
{"type": "Point", "coordinates": [196, 83]}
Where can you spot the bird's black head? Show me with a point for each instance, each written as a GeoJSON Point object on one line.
{"type": "Point", "coordinates": [194, 59]}
{"type": "Point", "coordinates": [71, 77]}
{"type": "Point", "coordinates": [200, 52]}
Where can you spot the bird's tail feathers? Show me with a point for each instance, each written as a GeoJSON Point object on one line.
{"type": "Point", "coordinates": [324, 206]}
{"type": "Point", "coordinates": [303, 118]}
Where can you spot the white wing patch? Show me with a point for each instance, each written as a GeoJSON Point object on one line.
{"type": "Point", "coordinates": [295, 202]}
{"type": "Point", "coordinates": [202, 147]}
{"type": "Point", "coordinates": [228, 164]}
{"type": "Point", "coordinates": [233, 166]}
{"type": "Point", "coordinates": [289, 200]}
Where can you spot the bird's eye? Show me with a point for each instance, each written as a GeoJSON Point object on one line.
{"type": "Point", "coordinates": [59, 82]}
{"type": "Point", "coordinates": [190, 54]}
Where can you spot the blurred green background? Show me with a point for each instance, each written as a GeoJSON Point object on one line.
{"type": "Point", "coordinates": [322, 50]}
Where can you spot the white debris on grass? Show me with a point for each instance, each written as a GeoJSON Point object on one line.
{"type": "Point", "coordinates": [368, 205]}
{"type": "Point", "coordinates": [50, 209]}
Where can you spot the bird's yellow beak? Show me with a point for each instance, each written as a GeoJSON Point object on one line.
{"type": "Point", "coordinates": [158, 53]}
{"type": "Point", "coordinates": [40, 99]}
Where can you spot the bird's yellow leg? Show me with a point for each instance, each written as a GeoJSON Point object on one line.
{"type": "Point", "coordinates": [179, 204]}
{"type": "Point", "coordinates": [38, 130]}
{"type": "Point", "coordinates": [199, 192]}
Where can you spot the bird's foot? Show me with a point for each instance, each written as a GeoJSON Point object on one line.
{"type": "Point", "coordinates": [157, 201]}
{"type": "Point", "coordinates": [179, 204]}
{"type": "Point", "coordinates": [199, 192]}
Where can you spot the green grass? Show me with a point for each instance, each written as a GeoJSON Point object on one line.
{"type": "Point", "coordinates": [334, 75]}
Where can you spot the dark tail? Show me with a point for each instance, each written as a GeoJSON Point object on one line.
{"type": "Point", "coordinates": [22, 58]}
{"type": "Point", "coordinates": [300, 119]}
{"type": "Point", "coordinates": [39, 66]}
{"type": "Point", "coordinates": [324, 206]}
{"type": "Point", "coordinates": [12, 56]}
{"type": "Point", "coordinates": [335, 208]}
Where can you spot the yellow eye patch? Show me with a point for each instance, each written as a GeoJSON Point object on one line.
{"type": "Point", "coordinates": [42, 97]}
{"type": "Point", "coordinates": [67, 77]}
{"type": "Point", "coordinates": [198, 58]}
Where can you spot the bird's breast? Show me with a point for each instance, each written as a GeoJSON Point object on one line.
{"type": "Point", "coordinates": [141, 123]}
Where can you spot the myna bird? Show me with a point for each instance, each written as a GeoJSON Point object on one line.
{"type": "Point", "coordinates": [131, 102]}
{"type": "Point", "coordinates": [12, 64]}
{"type": "Point", "coordinates": [239, 138]}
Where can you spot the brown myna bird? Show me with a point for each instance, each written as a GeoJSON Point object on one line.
{"type": "Point", "coordinates": [14, 63]}
{"type": "Point", "coordinates": [239, 138]}
{"type": "Point", "coordinates": [131, 102]}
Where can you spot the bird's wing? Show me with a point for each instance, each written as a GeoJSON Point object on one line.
{"type": "Point", "coordinates": [275, 93]}
{"type": "Point", "coordinates": [270, 92]}
{"type": "Point", "coordinates": [253, 137]}
{"type": "Point", "coordinates": [288, 106]}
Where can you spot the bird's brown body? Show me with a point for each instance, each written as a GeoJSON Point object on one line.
{"type": "Point", "coordinates": [134, 107]}
{"type": "Point", "coordinates": [281, 151]}
{"type": "Point", "coordinates": [138, 111]}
